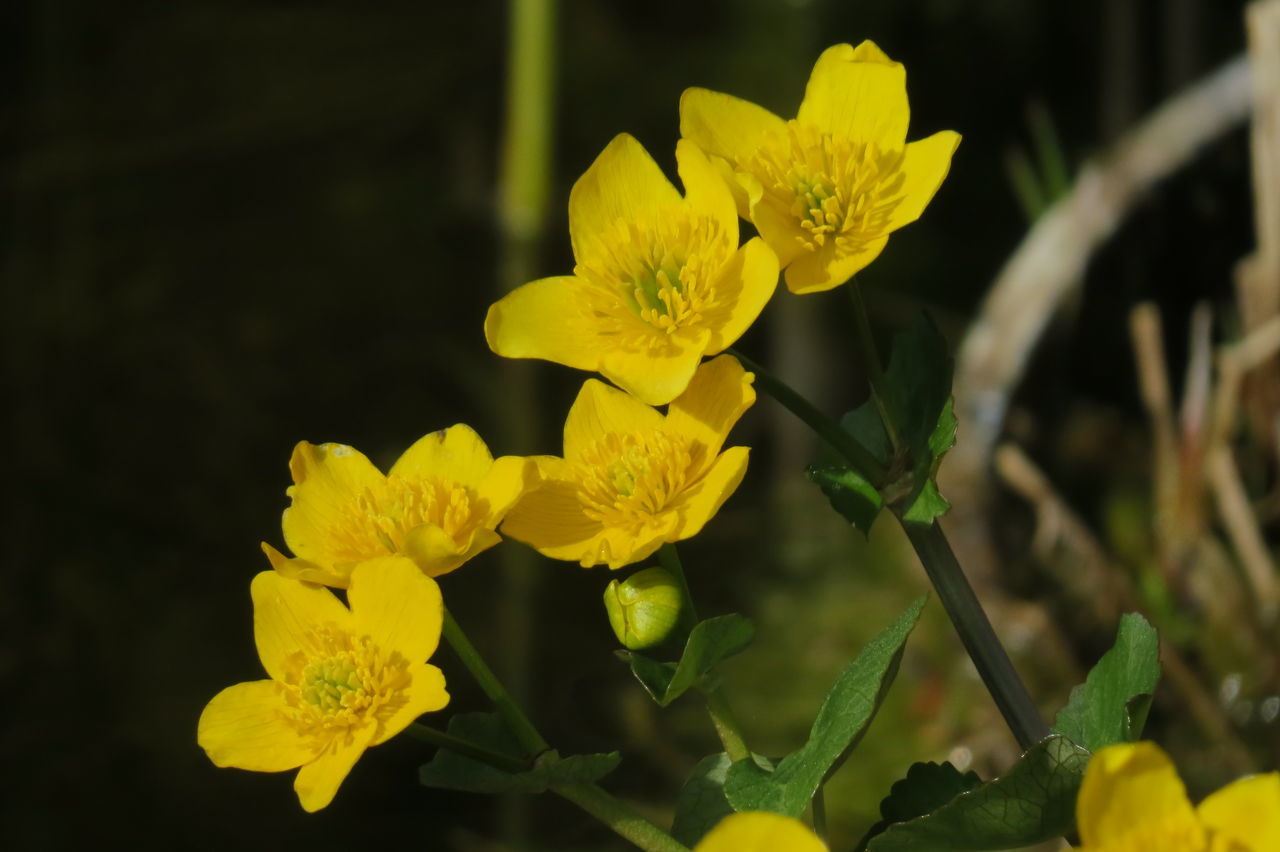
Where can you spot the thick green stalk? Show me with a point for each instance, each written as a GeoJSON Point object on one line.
{"type": "Point", "coordinates": [621, 819]}
{"type": "Point", "coordinates": [526, 734]}
{"type": "Point", "coordinates": [841, 441]}
{"type": "Point", "coordinates": [438, 738]}
{"type": "Point", "coordinates": [957, 596]}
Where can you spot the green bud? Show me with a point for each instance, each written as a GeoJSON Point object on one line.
{"type": "Point", "coordinates": [644, 608]}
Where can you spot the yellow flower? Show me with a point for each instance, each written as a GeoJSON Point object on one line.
{"type": "Point", "coordinates": [632, 478]}
{"type": "Point", "coordinates": [826, 188]}
{"type": "Point", "coordinates": [342, 680]}
{"type": "Point", "coordinates": [439, 505]}
{"type": "Point", "coordinates": [760, 831]}
{"type": "Point", "coordinates": [660, 280]}
{"type": "Point", "coordinates": [1133, 801]}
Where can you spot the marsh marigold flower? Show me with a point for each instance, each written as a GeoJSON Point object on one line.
{"type": "Point", "coordinates": [341, 680]}
{"type": "Point", "coordinates": [1133, 801]}
{"type": "Point", "coordinates": [440, 505]}
{"type": "Point", "coordinates": [826, 188]}
{"type": "Point", "coordinates": [759, 831]}
{"type": "Point", "coordinates": [659, 280]}
{"type": "Point", "coordinates": [632, 478]}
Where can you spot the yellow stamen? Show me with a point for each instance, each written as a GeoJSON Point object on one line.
{"type": "Point", "coordinates": [376, 522]}
{"type": "Point", "coordinates": [625, 479]}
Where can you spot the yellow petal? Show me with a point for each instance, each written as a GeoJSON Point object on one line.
{"type": "Point", "coordinates": [725, 126]}
{"type": "Point", "coordinates": [699, 504]}
{"type": "Point", "coordinates": [244, 726]}
{"type": "Point", "coordinates": [318, 781]}
{"type": "Point", "coordinates": [307, 572]}
{"type": "Point", "coordinates": [758, 831]}
{"type": "Point", "coordinates": [623, 183]}
{"type": "Point", "coordinates": [550, 520]}
{"type": "Point", "coordinates": [747, 282]}
{"type": "Point", "coordinates": [814, 272]}
{"type": "Point", "coordinates": [397, 606]}
{"type": "Point", "coordinates": [507, 481]}
{"type": "Point", "coordinates": [618, 548]}
{"type": "Point", "coordinates": [545, 319]}
{"type": "Point", "coordinates": [437, 553]}
{"type": "Point", "coordinates": [456, 454]}
{"type": "Point", "coordinates": [599, 410]}
{"type": "Point", "coordinates": [777, 227]}
{"type": "Point", "coordinates": [327, 478]}
{"type": "Point", "coordinates": [286, 616]}
{"type": "Point", "coordinates": [851, 97]}
{"type": "Point", "coordinates": [718, 395]}
{"type": "Point", "coordinates": [706, 190]}
{"type": "Point", "coordinates": [924, 166]}
{"type": "Point", "coordinates": [1133, 791]}
{"type": "Point", "coordinates": [1246, 811]}
{"type": "Point", "coordinates": [424, 694]}
{"type": "Point", "coordinates": [659, 374]}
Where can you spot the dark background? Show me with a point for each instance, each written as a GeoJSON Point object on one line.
{"type": "Point", "coordinates": [227, 227]}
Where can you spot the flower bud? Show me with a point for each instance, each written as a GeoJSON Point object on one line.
{"type": "Point", "coordinates": [644, 608]}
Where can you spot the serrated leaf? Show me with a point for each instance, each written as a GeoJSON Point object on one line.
{"type": "Point", "coordinates": [452, 771]}
{"type": "Point", "coordinates": [852, 496]}
{"type": "Point", "coordinates": [845, 714]}
{"type": "Point", "coordinates": [917, 383]}
{"type": "Point", "coordinates": [702, 803]}
{"type": "Point", "coordinates": [926, 787]}
{"type": "Point", "coordinates": [1031, 803]}
{"type": "Point", "coordinates": [927, 505]}
{"type": "Point", "coordinates": [1111, 705]}
{"type": "Point", "coordinates": [864, 424]}
{"type": "Point", "coordinates": [709, 642]}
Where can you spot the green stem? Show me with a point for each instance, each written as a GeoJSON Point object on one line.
{"type": "Point", "coordinates": [976, 634]}
{"type": "Point", "coordinates": [440, 739]}
{"type": "Point", "coordinates": [957, 596]}
{"type": "Point", "coordinates": [871, 362]}
{"type": "Point", "coordinates": [527, 735]}
{"type": "Point", "coordinates": [670, 559]}
{"type": "Point", "coordinates": [841, 441]}
{"type": "Point", "coordinates": [726, 724]}
{"type": "Point", "coordinates": [820, 814]}
{"type": "Point", "coordinates": [621, 819]}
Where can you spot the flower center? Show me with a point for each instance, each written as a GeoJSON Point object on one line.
{"type": "Point", "coordinates": [376, 522]}
{"type": "Point", "coordinates": [624, 479]}
{"type": "Point", "coordinates": [655, 281]}
{"type": "Point", "coordinates": [345, 681]}
{"type": "Point", "coordinates": [837, 190]}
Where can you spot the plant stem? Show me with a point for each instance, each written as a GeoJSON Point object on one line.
{"type": "Point", "coordinates": [819, 814]}
{"type": "Point", "coordinates": [726, 724]}
{"type": "Point", "coordinates": [841, 441]}
{"type": "Point", "coordinates": [432, 736]}
{"type": "Point", "coordinates": [670, 559]}
{"type": "Point", "coordinates": [957, 596]}
{"type": "Point", "coordinates": [871, 362]}
{"type": "Point", "coordinates": [976, 634]}
{"type": "Point", "coordinates": [621, 819]}
{"type": "Point", "coordinates": [527, 735]}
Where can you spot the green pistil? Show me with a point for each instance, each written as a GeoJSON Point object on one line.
{"type": "Point", "coordinates": [327, 683]}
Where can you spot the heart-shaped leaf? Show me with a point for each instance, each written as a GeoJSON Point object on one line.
{"type": "Point", "coordinates": [709, 642]}
{"type": "Point", "coordinates": [1111, 705]}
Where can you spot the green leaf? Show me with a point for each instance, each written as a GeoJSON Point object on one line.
{"type": "Point", "coordinates": [927, 505]}
{"type": "Point", "coordinates": [864, 424]}
{"type": "Point", "coordinates": [1111, 705]}
{"type": "Point", "coordinates": [1031, 803]}
{"type": "Point", "coordinates": [702, 803]}
{"type": "Point", "coordinates": [452, 771]}
{"type": "Point", "coordinates": [845, 714]}
{"type": "Point", "coordinates": [927, 787]}
{"type": "Point", "coordinates": [918, 384]}
{"type": "Point", "coordinates": [850, 495]}
{"type": "Point", "coordinates": [709, 642]}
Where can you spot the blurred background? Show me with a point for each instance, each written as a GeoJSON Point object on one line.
{"type": "Point", "coordinates": [228, 227]}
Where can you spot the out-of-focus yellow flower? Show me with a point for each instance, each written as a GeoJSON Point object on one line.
{"type": "Point", "coordinates": [440, 505]}
{"type": "Point", "coordinates": [632, 478]}
{"type": "Point", "coordinates": [342, 680]}
{"type": "Point", "coordinates": [826, 188]}
{"type": "Point", "coordinates": [659, 280]}
{"type": "Point", "coordinates": [1133, 801]}
{"type": "Point", "coordinates": [760, 831]}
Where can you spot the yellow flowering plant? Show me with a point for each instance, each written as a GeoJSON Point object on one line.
{"type": "Point", "coordinates": [661, 289]}
{"type": "Point", "coordinates": [826, 188]}
{"type": "Point", "coordinates": [631, 478]}
{"type": "Point", "coordinates": [660, 280]}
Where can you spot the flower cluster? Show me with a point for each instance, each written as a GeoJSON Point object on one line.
{"type": "Point", "coordinates": [661, 282]}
